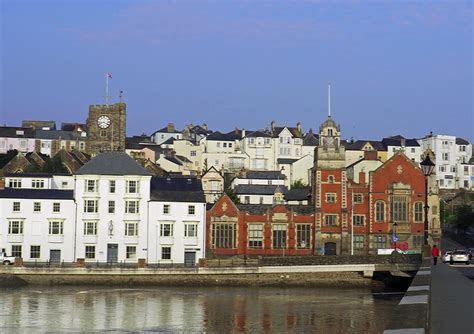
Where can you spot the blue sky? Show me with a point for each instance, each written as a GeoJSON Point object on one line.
{"type": "Point", "coordinates": [396, 67]}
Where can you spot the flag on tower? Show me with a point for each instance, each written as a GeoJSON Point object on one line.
{"type": "Point", "coordinates": [109, 75]}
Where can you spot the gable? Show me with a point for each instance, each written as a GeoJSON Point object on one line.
{"type": "Point", "coordinates": [285, 133]}
{"type": "Point", "coordinates": [224, 207]}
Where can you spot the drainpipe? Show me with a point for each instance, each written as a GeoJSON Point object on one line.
{"type": "Point", "coordinates": [75, 222]}
{"type": "Point", "coordinates": [147, 228]}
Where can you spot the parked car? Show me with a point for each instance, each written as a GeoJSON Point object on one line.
{"type": "Point", "coordinates": [447, 256]}
{"type": "Point", "coordinates": [6, 260]}
{"type": "Point", "coordinates": [460, 256]}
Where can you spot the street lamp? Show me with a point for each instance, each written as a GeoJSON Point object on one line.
{"type": "Point", "coordinates": [394, 235]}
{"type": "Point", "coordinates": [427, 166]}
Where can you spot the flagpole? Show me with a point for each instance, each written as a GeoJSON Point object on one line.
{"type": "Point", "coordinates": [107, 89]}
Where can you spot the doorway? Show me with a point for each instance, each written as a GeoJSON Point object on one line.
{"type": "Point", "coordinates": [112, 253]}
{"type": "Point", "coordinates": [330, 248]}
{"type": "Point", "coordinates": [189, 259]}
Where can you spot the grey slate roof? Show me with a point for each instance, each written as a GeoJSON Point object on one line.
{"type": "Point", "coordinates": [258, 133]}
{"type": "Point", "coordinates": [461, 141]}
{"type": "Point", "coordinates": [58, 134]}
{"type": "Point", "coordinates": [218, 136]}
{"type": "Point", "coordinates": [257, 189]}
{"type": "Point", "coordinates": [263, 175]}
{"type": "Point", "coordinates": [36, 193]}
{"type": "Point", "coordinates": [359, 144]}
{"type": "Point", "coordinates": [260, 209]}
{"type": "Point", "coordinates": [36, 175]}
{"type": "Point", "coordinates": [286, 161]}
{"type": "Point", "coordinates": [298, 194]}
{"type": "Point", "coordinates": [112, 163]}
{"type": "Point", "coordinates": [171, 189]}
{"type": "Point", "coordinates": [311, 139]}
{"type": "Point", "coordinates": [397, 141]}
{"type": "Point", "coordinates": [11, 132]}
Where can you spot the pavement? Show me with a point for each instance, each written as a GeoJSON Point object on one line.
{"type": "Point", "coordinates": [452, 297]}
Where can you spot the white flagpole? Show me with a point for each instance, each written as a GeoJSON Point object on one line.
{"type": "Point", "coordinates": [329, 99]}
{"type": "Point", "coordinates": [107, 88]}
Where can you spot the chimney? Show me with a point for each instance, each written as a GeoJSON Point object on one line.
{"type": "Point", "coordinates": [273, 126]}
{"type": "Point", "coordinates": [361, 177]}
{"type": "Point", "coordinates": [243, 133]}
{"type": "Point", "coordinates": [298, 126]}
{"type": "Point", "coordinates": [204, 126]}
{"type": "Point", "coordinates": [170, 127]}
{"type": "Point", "coordinates": [370, 155]}
{"type": "Point", "coordinates": [403, 142]}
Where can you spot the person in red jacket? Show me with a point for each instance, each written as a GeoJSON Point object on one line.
{"type": "Point", "coordinates": [435, 254]}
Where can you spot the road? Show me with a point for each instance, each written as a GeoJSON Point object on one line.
{"type": "Point", "coordinates": [466, 270]}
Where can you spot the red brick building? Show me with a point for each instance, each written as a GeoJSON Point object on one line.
{"type": "Point", "coordinates": [253, 230]}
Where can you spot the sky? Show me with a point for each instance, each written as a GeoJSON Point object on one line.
{"type": "Point", "coordinates": [395, 67]}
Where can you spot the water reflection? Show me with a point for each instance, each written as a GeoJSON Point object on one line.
{"type": "Point", "coordinates": [193, 310]}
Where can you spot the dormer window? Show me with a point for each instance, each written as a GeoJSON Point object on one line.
{"type": "Point", "coordinates": [329, 132]}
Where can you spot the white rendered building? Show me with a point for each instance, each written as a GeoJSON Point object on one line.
{"type": "Point", "coordinates": [38, 224]}
{"type": "Point", "coordinates": [112, 193]}
{"type": "Point", "coordinates": [177, 221]}
{"type": "Point", "coordinates": [453, 167]}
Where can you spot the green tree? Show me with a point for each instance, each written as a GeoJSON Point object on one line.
{"type": "Point", "coordinates": [298, 184]}
{"type": "Point", "coordinates": [232, 195]}
{"type": "Point", "coordinates": [464, 217]}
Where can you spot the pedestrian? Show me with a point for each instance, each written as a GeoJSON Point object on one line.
{"type": "Point", "coordinates": [435, 254]}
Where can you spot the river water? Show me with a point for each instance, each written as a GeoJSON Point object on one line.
{"type": "Point", "coordinates": [194, 310]}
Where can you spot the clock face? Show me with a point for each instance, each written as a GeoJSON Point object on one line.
{"type": "Point", "coordinates": [103, 122]}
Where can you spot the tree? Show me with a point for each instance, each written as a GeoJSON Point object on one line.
{"type": "Point", "coordinates": [232, 195]}
{"type": "Point", "coordinates": [464, 217]}
{"type": "Point", "coordinates": [298, 184]}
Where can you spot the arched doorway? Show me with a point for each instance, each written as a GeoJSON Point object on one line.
{"type": "Point", "coordinates": [330, 248]}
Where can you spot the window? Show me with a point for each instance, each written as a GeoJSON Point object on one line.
{"type": "Point", "coordinates": [35, 252]}
{"type": "Point", "coordinates": [412, 150]}
{"type": "Point", "coordinates": [15, 227]}
{"type": "Point", "coordinates": [445, 156]}
{"type": "Point", "coordinates": [131, 206]}
{"type": "Point", "coordinates": [453, 169]}
{"type": "Point", "coordinates": [380, 241]}
{"type": "Point", "coordinates": [224, 145]}
{"type": "Point", "coordinates": [190, 230]}
{"type": "Point", "coordinates": [267, 141]}
{"type": "Point", "coordinates": [247, 199]}
{"type": "Point", "coordinates": [303, 236]}
{"type": "Point", "coordinates": [330, 220]}
{"type": "Point", "coordinates": [14, 183]}
{"type": "Point", "coordinates": [64, 184]}
{"type": "Point", "coordinates": [252, 141]}
{"type": "Point", "coordinates": [91, 186]}
{"type": "Point", "coordinates": [442, 168]}
{"type": "Point", "coordinates": [16, 250]}
{"type": "Point", "coordinates": [111, 206]}
{"type": "Point", "coordinates": [358, 220]}
{"type": "Point", "coordinates": [192, 153]}
{"type": "Point", "coordinates": [330, 198]}
{"type": "Point", "coordinates": [131, 229]}
{"type": "Point", "coordinates": [90, 228]}
{"type": "Point", "coordinates": [16, 206]}
{"type": "Point", "coordinates": [132, 187]}
{"type": "Point", "coordinates": [191, 210]}
{"type": "Point", "coordinates": [131, 252]}
{"type": "Point", "coordinates": [166, 209]}
{"type": "Point", "coordinates": [103, 133]}
{"type": "Point", "coordinates": [166, 230]}
{"type": "Point", "coordinates": [82, 145]}
{"type": "Point", "coordinates": [223, 235]}
{"type": "Point", "coordinates": [91, 206]}
{"type": "Point", "coordinates": [279, 236]}
{"type": "Point", "coordinates": [166, 253]}
{"type": "Point", "coordinates": [399, 208]}
{"type": "Point", "coordinates": [418, 241]}
{"type": "Point", "coordinates": [37, 184]}
{"type": "Point", "coordinates": [331, 179]}
{"type": "Point", "coordinates": [230, 145]}
{"type": "Point", "coordinates": [218, 144]}
{"type": "Point", "coordinates": [112, 186]}
{"type": "Point", "coordinates": [261, 200]}
{"type": "Point", "coordinates": [90, 252]}
{"type": "Point", "coordinates": [55, 227]}
{"type": "Point", "coordinates": [357, 198]}
{"type": "Point", "coordinates": [36, 207]}
{"type": "Point", "coordinates": [255, 235]}
{"type": "Point", "coordinates": [56, 207]}
{"type": "Point", "coordinates": [379, 211]}
{"type": "Point", "coordinates": [418, 211]}
{"type": "Point", "coordinates": [359, 241]}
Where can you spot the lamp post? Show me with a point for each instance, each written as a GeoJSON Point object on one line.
{"type": "Point", "coordinates": [394, 235]}
{"type": "Point", "coordinates": [427, 166]}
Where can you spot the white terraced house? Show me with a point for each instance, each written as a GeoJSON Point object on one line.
{"type": "Point", "coordinates": [37, 224]}
{"type": "Point", "coordinates": [112, 194]}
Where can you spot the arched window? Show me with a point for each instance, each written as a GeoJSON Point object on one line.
{"type": "Point", "coordinates": [418, 211]}
{"type": "Point", "coordinates": [379, 211]}
{"type": "Point", "coordinates": [331, 179]}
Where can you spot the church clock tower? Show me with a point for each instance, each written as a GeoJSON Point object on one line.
{"type": "Point", "coordinates": [330, 190]}
{"type": "Point", "coordinates": [106, 128]}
